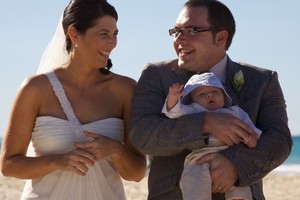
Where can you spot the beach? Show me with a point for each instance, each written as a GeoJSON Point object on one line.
{"type": "Point", "coordinates": [277, 186]}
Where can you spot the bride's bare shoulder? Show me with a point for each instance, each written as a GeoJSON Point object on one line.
{"type": "Point", "coordinates": [124, 81]}
{"type": "Point", "coordinates": [35, 83]}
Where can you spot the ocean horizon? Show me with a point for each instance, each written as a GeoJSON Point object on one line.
{"type": "Point", "coordinates": [290, 167]}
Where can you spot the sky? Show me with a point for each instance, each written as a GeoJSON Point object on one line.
{"type": "Point", "coordinates": [267, 35]}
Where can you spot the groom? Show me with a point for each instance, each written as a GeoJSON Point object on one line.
{"type": "Point", "coordinates": [202, 35]}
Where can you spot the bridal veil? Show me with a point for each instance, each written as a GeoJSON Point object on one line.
{"type": "Point", "coordinates": [55, 53]}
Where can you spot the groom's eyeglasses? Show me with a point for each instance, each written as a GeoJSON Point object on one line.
{"type": "Point", "coordinates": [190, 31]}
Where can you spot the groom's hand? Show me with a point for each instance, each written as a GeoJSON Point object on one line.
{"type": "Point", "coordinates": [223, 173]}
{"type": "Point", "coordinates": [227, 128]}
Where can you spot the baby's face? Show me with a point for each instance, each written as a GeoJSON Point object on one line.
{"type": "Point", "coordinates": [209, 97]}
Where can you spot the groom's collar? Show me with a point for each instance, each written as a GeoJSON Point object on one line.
{"type": "Point", "coordinates": [220, 69]}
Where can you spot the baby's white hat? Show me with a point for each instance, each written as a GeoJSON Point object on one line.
{"type": "Point", "coordinates": [205, 79]}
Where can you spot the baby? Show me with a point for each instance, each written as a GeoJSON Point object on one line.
{"type": "Point", "coordinates": [205, 93]}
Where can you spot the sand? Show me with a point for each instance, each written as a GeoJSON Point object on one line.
{"type": "Point", "coordinates": [276, 186]}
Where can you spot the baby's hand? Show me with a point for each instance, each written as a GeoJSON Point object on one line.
{"type": "Point", "coordinates": [252, 141]}
{"type": "Point", "coordinates": [175, 92]}
{"type": "Point", "coordinates": [176, 89]}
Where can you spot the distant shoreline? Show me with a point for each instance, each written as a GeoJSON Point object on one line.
{"type": "Point", "coordinates": [288, 169]}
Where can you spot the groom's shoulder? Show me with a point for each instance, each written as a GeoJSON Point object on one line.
{"type": "Point", "coordinates": [254, 68]}
{"type": "Point", "coordinates": [165, 64]}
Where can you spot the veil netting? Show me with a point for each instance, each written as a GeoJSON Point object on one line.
{"type": "Point", "coordinates": [55, 54]}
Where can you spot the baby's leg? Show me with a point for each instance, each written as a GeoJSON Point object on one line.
{"type": "Point", "coordinates": [195, 182]}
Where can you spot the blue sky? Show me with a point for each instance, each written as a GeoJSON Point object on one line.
{"type": "Point", "coordinates": [267, 36]}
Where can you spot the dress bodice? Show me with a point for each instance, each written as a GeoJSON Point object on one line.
{"type": "Point", "coordinates": [54, 135]}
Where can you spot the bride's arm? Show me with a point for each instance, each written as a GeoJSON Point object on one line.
{"type": "Point", "coordinates": [130, 163]}
{"type": "Point", "coordinates": [14, 161]}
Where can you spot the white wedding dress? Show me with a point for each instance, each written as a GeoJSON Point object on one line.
{"type": "Point", "coordinates": [53, 135]}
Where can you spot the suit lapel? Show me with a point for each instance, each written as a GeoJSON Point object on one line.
{"type": "Point", "coordinates": [232, 69]}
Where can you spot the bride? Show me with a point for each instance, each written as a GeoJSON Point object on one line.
{"type": "Point", "coordinates": [75, 113]}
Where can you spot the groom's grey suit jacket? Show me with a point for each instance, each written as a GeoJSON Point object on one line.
{"type": "Point", "coordinates": [170, 140]}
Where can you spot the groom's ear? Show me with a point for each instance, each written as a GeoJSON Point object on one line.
{"type": "Point", "coordinates": [73, 34]}
{"type": "Point", "coordinates": [221, 38]}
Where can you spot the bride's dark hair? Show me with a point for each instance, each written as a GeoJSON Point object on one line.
{"type": "Point", "coordinates": [82, 15]}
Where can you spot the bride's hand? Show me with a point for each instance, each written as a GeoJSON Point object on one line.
{"type": "Point", "coordinates": [102, 147]}
{"type": "Point", "coordinates": [76, 161]}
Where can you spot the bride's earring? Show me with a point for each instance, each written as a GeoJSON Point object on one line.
{"type": "Point", "coordinates": [76, 45]}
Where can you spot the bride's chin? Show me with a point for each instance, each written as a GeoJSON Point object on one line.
{"type": "Point", "coordinates": [102, 61]}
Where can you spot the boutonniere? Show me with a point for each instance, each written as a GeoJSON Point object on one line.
{"type": "Point", "coordinates": [238, 82]}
